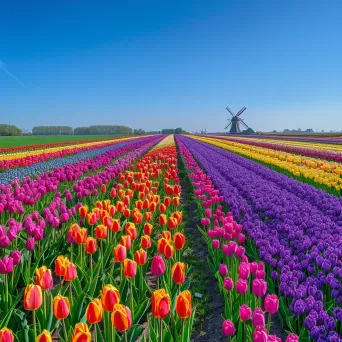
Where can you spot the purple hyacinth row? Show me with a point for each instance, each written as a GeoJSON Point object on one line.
{"type": "Point", "coordinates": [311, 152]}
{"type": "Point", "coordinates": [297, 229]}
{"type": "Point", "coordinates": [33, 226]}
{"type": "Point", "coordinates": [28, 191]}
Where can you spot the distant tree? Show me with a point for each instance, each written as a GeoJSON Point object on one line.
{"type": "Point", "coordinates": [52, 130]}
{"type": "Point", "coordinates": [179, 130]}
{"type": "Point", "coordinates": [274, 131]}
{"type": "Point", "coordinates": [139, 131]}
{"type": "Point", "coordinates": [9, 130]}
{"type": "Point", "coordinates": [168, 131]}
{"type": "Point", "coordinates": [103, 130]}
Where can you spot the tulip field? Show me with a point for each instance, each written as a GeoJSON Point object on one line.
{"type": "Point", "coordinates": [94, 239]}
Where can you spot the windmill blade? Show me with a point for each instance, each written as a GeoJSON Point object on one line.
{"type": "Point", "coordinates": [241, 111]}
{"type": "Point", "coordinates": [243, 123]}
{"type": "Point", "coordinates": [230, 111]}
{"type": "Point", "coordinates": [228, 125]}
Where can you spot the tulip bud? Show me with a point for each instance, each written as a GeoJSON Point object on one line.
{"type": "Point", "coordinates": [70, 272]}
{"type": "Point", "coordinates": [140, 257]}
{"type": "Point", "coordinates": [61, 307]}
{"type": "Point", "coordinates": [16, 256]}
{"type": "Point", "coordinates": [90, 246]}
{"type": "Point", "coordinates": [6, 335]}
{"type": "Point", "coordinates": [259, 287]}
{"type": "Point", "coordinates": [130, 268]}
{"type": "Point", "coordinates": [228, 328]}
{"type": "Point", "coordinates": [148, 228]}
{"type": "Point", "coordinates": [245, 313]}
{"type": "Point", "coordinates": [6, 265]}
{"type": "Point", "coordinates": [94, 311]}
{"type": "Point", "coordinates": [121, 317]}
{"type": "Point", "coordinates": [271, 304]}
{"type": "Point", "coordinates": [119, 253]}
{"type": "Point", "coordinates": [81, 333]}
{"type": "Point", "coordinates": [109, 297]}
{"type": "Point", "coordinates": [258, 317]}
{"type": "Point", "coordinates": [178, 272]}
{"type": "Point", "coordinates": [241, 286]}
{"type": "Point", "coordinates": [179, 240]}
{"type": "Point", "coordinates": [33, 297]}
{"type": "Point", "coordinates": [162, 219]}
{"type": "Point", "coordinates": [45, 336]}
{"type": "Point", "coordinates": [44, 278]}
{"type": "Point", "coordinates": [101, 232]}
{"type": "Point", "coordinates": [292, 338]}
{"type": "Point", "coordinates": [126, 241]}
{"type": "Point", "coordinates": [160, 304]}
{"type": "Point", "coordinates": [223, 269]}
{"type": "Point", "coordinates": [260, 334]}
{"type": "Point", "coordinates": [184, 304]}
{"type": "Point", "coordinates": [158, 265]}
{"type": "Point", "coordinates": [146, 242]}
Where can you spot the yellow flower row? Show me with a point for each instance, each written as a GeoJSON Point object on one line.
{"type": "Point", "coordinates": [168, 141]}
{"type": "Point", "coordinates": [322, 172]}
{"type": "Point", "coordinates": [303, 144]}
{"type": "Point", "coordinates": [56, 149]}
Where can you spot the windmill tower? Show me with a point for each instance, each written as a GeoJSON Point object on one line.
{"type": "Point", "coordinates": [235, 121]}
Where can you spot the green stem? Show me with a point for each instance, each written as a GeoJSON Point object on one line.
{"type": "Point", "coordinates": [65, 330]}
{"type": "Point", "coordinates": [34, 325]}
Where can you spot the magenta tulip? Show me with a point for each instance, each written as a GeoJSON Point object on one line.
{"type": "Point", "coordinates": [241, 286]}
{"type": "Point", "coordinates": [228, 328]}
{"type": "Point", "coordinates": [259, 287]}
{"type": "Point", "coordinates": [258, 317]}
{"type": "Point", "coordinates": [271, 304]}
{"type": "Point", "coordinates": [245, 312]}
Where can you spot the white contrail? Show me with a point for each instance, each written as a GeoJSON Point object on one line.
{"type": "Point", "coordinates": [5, 70]}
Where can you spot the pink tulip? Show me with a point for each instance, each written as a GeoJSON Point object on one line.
{"type": "Point", "coordinates": [29, 244]}
{"type": "Point", "coordinates": [260, 334]}
{"type": "Point", "coordinates": [240, 252]}
{"type": "Point", "coordinates": [228, 283]}
{"type": "Point", "coordinates": [6, 265]}
{"type": "Point", "coordinates": [241, 286]}
{"type": "Point", "coordinates": [223, 270]}
{"type": "Point", "coordinates": [208, 212]}
{"type": "Point", "coordinates": [16, 256]}
{"type": "Point", "coordinates": [231, 249]}
{"type": "Point", "coordinates": [260, 274]}
{"type": "Point", "coordinates": [244, 270]}
{"type": "Point", "coordinates": [259, 287]}
{"type": "Point", "coordinates": [245, 312]}
{"type": "Point", "coordinates": [228, 328]}
{"type": "Point", "coordinates": [253, 267]}
{"type": "Point", "coordinates": [292, 338]}
{"type": "Point", "coordinates": [273, 338]}
{"type": "Point", "coordinates": [216, 244]}
{"type": "Point", "coordinates": [241, 238]}
{"type": "Point", "coordinates": [271, 304]}
{"type": "Point", "coordinates": [158, 265]}
{"type": "Point", "coordinates": [258, 317]}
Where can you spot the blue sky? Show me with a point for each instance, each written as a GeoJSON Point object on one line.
{"type": "Point", "coordinates": [155, 64]}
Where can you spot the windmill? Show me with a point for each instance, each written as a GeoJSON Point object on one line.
{"type": "Point", "coordinates": [235, 121]}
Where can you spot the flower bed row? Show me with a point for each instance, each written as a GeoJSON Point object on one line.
{"type": "Point", "coordinates": [25, 159]}
{"type": "Point", "coordinates": [307, 150]}
{"type": "Point", "coordinates": [241, 282]}
{"type": "Point", "coordinates": [322, 174]}
{"type": "Point", "coordinates": [119, 277]}
{"type": "Point", "coordinates": [295, 232]}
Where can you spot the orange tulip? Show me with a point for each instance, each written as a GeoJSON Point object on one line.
{"type": "Point", "coordinates": [172, 223]}
{"type": "Point", "coordinates": [45, 336]}
{"type": "Point", "coordinates": [81, 236]}
{"type": "Point", "coordinates": [94, 311]}
{"type": "Point", "coordinates": [130, 268]}
{"type": "Point", "coordinates": [167, 201]}
{"type": "Point", "coordinates": [115, 226]}
{"type": "Point", "coordinates": [33, 297]}
{"type": "Point", "coordinates": [44, 278]}
{"type": "Point", "coordinates": [110, 296]}
{"type": "Point", "coordinates": [126, 241]}
{"type": "Point", "coordinates": [160, 304]}
{"type": "Point", "coordinates": [148, 228]}
{"type": "Point", "coordinates": [137, 217]}
{"type": "Point", "coordinates": [120, 206]}
{"type": "Point", "coordinates": [178, 272]}
{"type": "Point", "coordinates": [146, 242]}
{"type": "Point", "coordinates": [61, 307]}
{"type": "Point", "coordinates": [168, 251]}
{"type": "Point", "coordinates": [103, 188]}
{"type": "Point", "coordinates": [175, 201]}
{"type": "Point", "coordinates": [111, 210]}
{"type": "Point", "coordinates": [70, 272]}
{"type": "Point", "coordinates": [161, 245]}
{"type": "Point", "coordinates": [119, 253]}
{"type": "Point", "coordinates": [127, 200]}
{"type": "Point", "coordinates": [153, 206]}
{"type": "Point", "coordinates": [162, 208]}
{"type": "Point", "coordinates": [178, 215]}
{"type": "Point", "coordinates": [139, 204]}
{"type": "Point", "coordinates": [92, 218]}
{"type": "Point", "coordinates": [148, 216]}
{"type": "Point", "coordinates": [140, 257]}
{"type": "Point", "coordinates": [162, 219]}
{"type": "Point", "coordinates": [6, 335]}
{"type": "Point", "coordinates": [184, 304]}
{"type": "Point", "coordinates": [74, 228]}
{"type": "Point", "coordinates": [83, 211]}
{"type": "Point", "coordinates": [166, 235]}
{"type": "Point", "coordinates": [179, 240]}
{"type": "Point", "coordinates": [112, 192]}
{"type": "Point", "coordinates": [146, 204]}
{"type": "Point", "coordinates": [91, 245]}
{"type": "Point", "coordinates": [60, 265]}
{"type": "Point", "coordinates": [121, 317]}
{"type": "Point", "coordinates": [101, 232]}
{"type": "Point", "coordinates": [81, 333]}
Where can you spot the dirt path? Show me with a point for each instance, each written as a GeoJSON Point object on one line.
{"type": "Point", "coordinates": [209, 322]}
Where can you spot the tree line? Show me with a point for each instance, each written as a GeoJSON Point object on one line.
{"type": "Point", "coordinates": [52, 130]}
{"type": "Point", "coordinates": [173, 131]}
{"type": "Point", "coordinates": [9, 130]}
{"type": "Point", "coordinates": [103, 129]}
